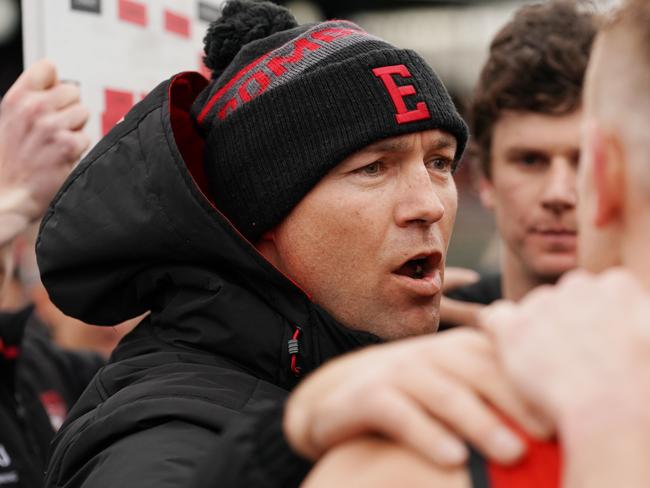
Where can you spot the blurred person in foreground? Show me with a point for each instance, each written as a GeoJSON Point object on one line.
{"type": "Point", "coordinates": [526, 134]}
{"type": "Point", "coordinates": [296, 207]}
{"type": "Point", "coordinates": [41, 137]}
{"type": "Point", "coordinates": [580, 351]}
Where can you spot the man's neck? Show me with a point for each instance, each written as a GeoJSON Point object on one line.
{"type": "Point", "coordinates": [516, 280]}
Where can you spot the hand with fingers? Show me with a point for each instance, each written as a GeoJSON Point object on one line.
{"type": "Point", "coordinates": [41, 137]}
{"type": "Point", "coordinates": [428, 394]}
{"type": "Point", "coordinates": [580, 353]}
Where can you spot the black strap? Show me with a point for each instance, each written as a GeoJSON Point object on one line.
{"type": "Point", "coordinates": [478, 470]}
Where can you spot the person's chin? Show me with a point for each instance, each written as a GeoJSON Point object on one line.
{"type": "Point", "coordinates": [551, 266]}
{"type": "Point", "coordinates": [414, 322]}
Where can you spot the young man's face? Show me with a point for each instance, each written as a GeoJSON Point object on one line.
{"type": "Point", "coordinates": [532, 190]}
{"type": "Point", "coordinates": [369, 241]}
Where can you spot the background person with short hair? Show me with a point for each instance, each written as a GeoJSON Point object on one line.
{"type": "Point", "coordinates": [525, 118]}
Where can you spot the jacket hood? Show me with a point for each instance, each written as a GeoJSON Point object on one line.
{"type": "Point", "coordinates": [132, 230]}
{"type": "Point", "coordinates": [136, 203]}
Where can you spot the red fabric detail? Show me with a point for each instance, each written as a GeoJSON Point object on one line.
{"type": "Point", "coordinates": [397, 93]}
{"type": "Point", "coordinates": [177, 24]}
{"type": "Point", "coordinates": [117, 103]}
{"type": "Point", "coordinates": [227, 108]}
{"type": "Point", "coordinates": [10, 353]}
{"type": "Point", "coordinates": [215, 98]}
{"type": "Point", "coordinates": [131, 11]}
{"type": "Point", "coordinates": [277, 64]}
{"type": "Point", "coordinates": [262, 80]}
{"type": "Point", "coordinates": [540, 468]}
{"type": "Point", "coordinates": [182, 92]}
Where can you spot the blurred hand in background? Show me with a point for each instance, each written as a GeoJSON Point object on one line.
{"type": "Point", "coordinates": [457, 312]}
{"type": "Point", "coordinates": [41, 137]}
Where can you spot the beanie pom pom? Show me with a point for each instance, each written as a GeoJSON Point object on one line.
{"type": "Point", "coordinates": [241, 22]}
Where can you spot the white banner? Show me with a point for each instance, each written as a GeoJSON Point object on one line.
{"type": "Point", "coordinates": [116, 50]}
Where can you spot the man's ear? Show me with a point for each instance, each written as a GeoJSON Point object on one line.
{"type": "Point", "coordinates": [486, 192]}
{"type": "Point", "coordinates": [608, 175]}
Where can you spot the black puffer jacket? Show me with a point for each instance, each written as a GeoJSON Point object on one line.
{"type": "Point", "coordinates": [131, 231]}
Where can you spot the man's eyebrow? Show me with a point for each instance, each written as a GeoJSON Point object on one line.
{"type": "Point", "coordinates": [518, 151]}
{"type": "Point", "coordinates": [515, 151]}
{"type": "Point", "coordinates": [443, 142]}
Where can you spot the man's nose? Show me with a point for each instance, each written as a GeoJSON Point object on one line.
{"type": "Point", "coordinates": [560, 189]}
{"type": "Point", "coordinates": [418, 201]}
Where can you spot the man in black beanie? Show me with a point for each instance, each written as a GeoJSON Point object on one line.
{"type": "Point", "coordinates": [296, 207]}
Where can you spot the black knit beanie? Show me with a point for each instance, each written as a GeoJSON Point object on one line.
{"type": "Point", "coordinates": [288, 103]}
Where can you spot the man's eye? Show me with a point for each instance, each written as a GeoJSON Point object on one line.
{"type": "Point", "coordinates": [371, 169]}
{"type": "Point", "coordinates": [441, 164]}
{"type": "Point", "coordinates": [531, 159]}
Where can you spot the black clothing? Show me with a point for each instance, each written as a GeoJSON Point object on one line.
{"type": "Point", "coordinates": [132, 231]}
{"type": "Point", "coordinates": [484, 291]}
{"type": "Point", "coordinates": [478, 470]}
{"type": "Point", "coordinates": [40, 382]}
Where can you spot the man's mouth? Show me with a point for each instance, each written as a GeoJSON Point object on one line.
{"type": "Point", "coordinates": [416, 268]}
{"type": "Point", "coordinates": [555, 238]}
{"type": "Point", "coordinates": [553, 230]}
{"type": "Point", "coordinates": [421, 273]}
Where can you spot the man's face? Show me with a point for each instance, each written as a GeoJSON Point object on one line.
{"type": "Point", "coordinates": [369, 241]}
{"type": "Point", "coordinates": [532, 190]}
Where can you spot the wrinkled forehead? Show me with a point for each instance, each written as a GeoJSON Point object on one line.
{"type": "Point", "coordinates": [433, 139]}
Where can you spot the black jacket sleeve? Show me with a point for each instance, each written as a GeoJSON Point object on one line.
{"type": "Point", "coordinates": [254, 452]}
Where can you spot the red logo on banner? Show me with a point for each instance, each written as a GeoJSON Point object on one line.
{"type": "Point", "coordinates": [177, 24]}
{"type": "Point", "coordinates": [116, 105]}
{"type": "Point", "coordinates": [131, 11]}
